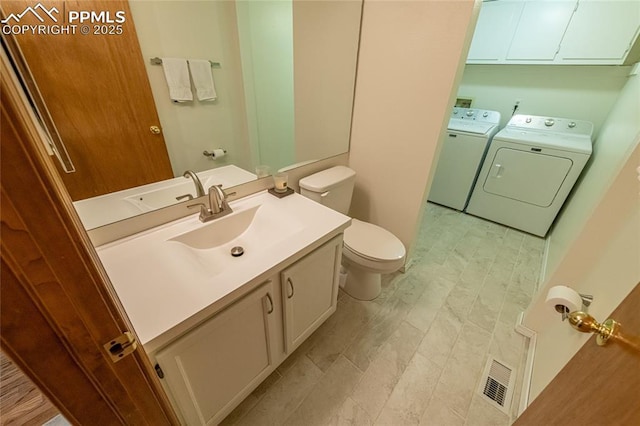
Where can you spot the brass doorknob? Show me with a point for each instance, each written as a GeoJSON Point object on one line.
{"type": "Point", "coordinates": [155, 130]}
{"type": "Point", "coordinates": [585, 323]}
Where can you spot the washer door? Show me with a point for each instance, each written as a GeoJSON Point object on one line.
{"type": "Point", "coordinates": [528, 177]}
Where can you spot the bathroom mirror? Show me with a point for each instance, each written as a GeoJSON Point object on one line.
{"type": "Point", "coordinates": [284, 73]}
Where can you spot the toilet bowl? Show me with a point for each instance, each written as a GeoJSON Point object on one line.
{"type": "Point", "coordinates": [368, 250]}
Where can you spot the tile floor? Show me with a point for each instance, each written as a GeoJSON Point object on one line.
{"type": "Point", "coordinates": [413, 356]}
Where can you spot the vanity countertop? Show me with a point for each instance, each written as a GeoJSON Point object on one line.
{"type": "Point", "coordinates": [167, 287]}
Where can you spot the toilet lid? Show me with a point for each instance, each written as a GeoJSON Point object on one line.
{"type": "Point", "coordinates": [373, 242]}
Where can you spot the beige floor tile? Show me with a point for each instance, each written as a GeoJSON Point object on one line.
{"type": "Point", "coordinates": [386, 369]}
{"type": "Point", "coordinates": [481, 413]}
{"type": "Point", "coordinates": [328, 395]}
{"type": "Point", "coordinates": [281, 399]}
{"type": "Point", "coordinates": [432, 299]}
{"type": "Point", "coordinates": [460, 375]}
{"type": "Point", "coordinates": [487, 306]}
{"type": "Point", "coordinates": [438, 414]}
{"type": "Point", "coordinates": [351, 316]}
{"type": "Point", "coordinates": [252, 400]}
{"type": "Point", "coordinates": [350, 414]}
{"type": "Point", "coordinates": [412, 394]}
{"type": "Point", "coordinates": [369, 340]}
{"type": "Point", "coordinates": [441, 337]}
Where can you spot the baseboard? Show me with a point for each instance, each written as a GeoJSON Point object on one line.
{"type": "Point", "coordinates": [528, 367]}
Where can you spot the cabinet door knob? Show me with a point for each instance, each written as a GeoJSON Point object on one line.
{"type": "Point", "coordinates": [289, 296]}
{"type": "Point", "coordinates": [270, 310]}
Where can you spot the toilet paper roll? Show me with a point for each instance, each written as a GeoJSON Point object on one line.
{"type": "Point", "coordinates": [218, 152]}
{"type": "Point", "coordinates": [559, 296]}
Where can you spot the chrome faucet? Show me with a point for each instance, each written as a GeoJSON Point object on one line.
{"type": "Point", "coordinates": [218, 205]}
{"type": "Point", "coordinates": [196, 181]}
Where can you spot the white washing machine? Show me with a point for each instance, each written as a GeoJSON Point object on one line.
{"type": "Point", "coordinates": [468, 136]}
{"type": "Point", "coordinates": [529, 170]}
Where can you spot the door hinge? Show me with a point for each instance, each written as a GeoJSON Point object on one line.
{"type": "Point", "coordinates": [159, 371]}
{"type": "Point", "coordinates": [121, 346]}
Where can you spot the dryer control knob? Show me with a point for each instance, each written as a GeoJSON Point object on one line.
{"type": "Point", "coordinates": [549, 122]}
{"type": "Point", "coordinates": [469, 113]}
{"type": "Point", "coordinates": [486, 114]}
{"type": "Point", "coordinates": [572, 124]}
{"type": "Point", "coordinates": [528, 120]}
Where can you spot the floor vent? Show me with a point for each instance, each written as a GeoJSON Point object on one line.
{"type": "Point", "coordinates": [497, 384]}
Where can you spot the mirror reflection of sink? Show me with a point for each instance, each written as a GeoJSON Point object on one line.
{"type": "Point", "coordinates": [255, 229]}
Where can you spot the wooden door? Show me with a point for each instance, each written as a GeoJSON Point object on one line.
{"type": "Point", "coordinates": [599, 386]}
{"type": "Point", "coordinates": [98, 94]}
{"type": "Point", "coordinates": [58, 308]}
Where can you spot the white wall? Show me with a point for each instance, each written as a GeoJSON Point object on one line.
{"type": "Point", "coordinates": [603, 261]}
{"type": "Point", "coordinates": [580, 92]}
{"type": "Point", "coordinates": [410, 62]}
{"type": "Point", "coordinates": [595, 245]}
{"type": "Point", "coordinates": [198, 30]}
{"type": "Point", "coordinates": [616, 140]}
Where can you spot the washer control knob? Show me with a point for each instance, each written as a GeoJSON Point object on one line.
{"type": "Point", "coordinates": [572, 124]}
{"type": "Point", "coordinates": [455, 111]}
{"type": "Point", "coordinates": [549, 122]}
{"type": "Point", "coordinates": [469, 113]}
{"type": "Point", "coordinates": [528, 120]}
{"type": "Point", "coordinates": [486, 114]}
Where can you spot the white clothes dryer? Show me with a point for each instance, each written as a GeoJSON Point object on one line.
{"type": "Point", "coordinates": [530, 168]}
{"type": "Point", "coordinates": [468, 135]}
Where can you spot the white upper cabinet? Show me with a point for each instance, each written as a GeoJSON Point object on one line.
{"type": "Point", "coordinates": [601, 31]}
{"type": "Point", "coordinates": [496, 25]}
{"type": "Point", "coordinates": [562, 32]}
{"type": "Point", "coordinates": [540, 29]}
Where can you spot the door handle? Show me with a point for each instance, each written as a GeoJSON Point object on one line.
{"type": "Point", "coordinates": [289, 296]}
{"type": "Point", "coordinates": [609, 330]}
{"type": "Point", "coordinates": [497, 170]}
{"type": "Point", "coordinates": [270, 310]}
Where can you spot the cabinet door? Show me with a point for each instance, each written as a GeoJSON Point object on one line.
{"type": "Point", "coordinates": [212, 368]}
{"type": "Point", "coordinates": [601, 30]}
{"type": "Point", "coordinates": [540, 30]}
{"type": "Point", "coordinates": [496, 24]}
{"type": "Point", "coordinates": [310, 292]}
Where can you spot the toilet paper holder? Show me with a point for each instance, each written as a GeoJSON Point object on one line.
{"type": "Point", "coordinates": [587, 299]}
{"type": "Point", "coordinates": [212, 154]}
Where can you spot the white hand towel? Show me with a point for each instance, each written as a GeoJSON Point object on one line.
{"type": "Point", "coordinates": [177, 74]}
{"type": "Point", "coordinates": [202, 79]}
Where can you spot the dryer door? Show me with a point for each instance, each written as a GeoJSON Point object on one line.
{"type": "Point", "coordinates": [525, 176]}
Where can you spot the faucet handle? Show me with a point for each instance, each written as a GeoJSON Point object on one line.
{"type": "Point", "coordinates": [205, 212]}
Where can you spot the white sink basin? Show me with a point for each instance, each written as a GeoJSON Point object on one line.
{"type": "Point", "coordinates": [169, 277]}
{"type": "Point", "coordinates": [254, 229]}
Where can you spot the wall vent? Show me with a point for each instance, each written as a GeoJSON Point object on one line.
{"type": "Point", "coordinates": [497, 383]}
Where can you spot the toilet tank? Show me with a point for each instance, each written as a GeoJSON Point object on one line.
{"type": "Point", "coordinates": [332, 187]}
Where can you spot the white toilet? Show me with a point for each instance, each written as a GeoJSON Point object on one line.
{"type": "Point", "coordinates": [368, 250]}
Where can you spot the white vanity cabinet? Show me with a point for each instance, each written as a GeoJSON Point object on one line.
{"type": "Point", "coordinates": [210, 369]}
{"type": "Point", "coordinates": [310, 292]}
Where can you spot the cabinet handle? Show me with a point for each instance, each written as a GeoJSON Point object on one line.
{"type": "Point", "coordinates": [289, 296]}
{"type": "Point", "coordinates": [270, 303]}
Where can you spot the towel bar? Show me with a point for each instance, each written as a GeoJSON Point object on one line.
{"type": "Point", "coordinates": [158, 61]}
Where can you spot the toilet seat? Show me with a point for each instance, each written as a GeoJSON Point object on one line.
{"type": "Point", "coordinates": [372, 246]}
